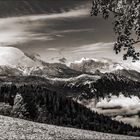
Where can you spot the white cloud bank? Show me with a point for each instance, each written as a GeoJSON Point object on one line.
{"type": "Point", "coordinates": [121, 108]}
{"type": "Point", "coordinates": [121, 100]}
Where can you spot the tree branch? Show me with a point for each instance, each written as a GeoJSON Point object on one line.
{"type": "Point", "coordinates": [117, 13]}
{"type": "Point", "coordinates": [136, 42]}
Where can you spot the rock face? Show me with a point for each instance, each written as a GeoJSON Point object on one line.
{"type": "Point", "coordinates": [55, 70]}
{"type": "Point", "coordinates": [12, 128]}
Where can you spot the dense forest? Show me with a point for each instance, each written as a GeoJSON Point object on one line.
{"type": "Point", "coordinates": [114, 84]}
{"type": "Point", "coordinates": [37, 103]}
{"type": "Point", "coordinates": [101, 88]}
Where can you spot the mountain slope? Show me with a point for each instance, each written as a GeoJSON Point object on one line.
{"type": "Point", "coordinates": [8, 71]}
{"type": "Point", "coordinates": [87, 86]}
{"type": "Point", "coordinates": [12, 128]}
{"type": "Point", "coordinates": [130, 70]}
{"type": "Point", "coordinates": [104, 65]}
{"type": "Point", "coordinates": [131, 74]}
{"type": "Point", "coordinates": [55, 70]}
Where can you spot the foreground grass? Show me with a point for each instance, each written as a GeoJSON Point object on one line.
{"type": "Point", "coordinates": [12, 128]}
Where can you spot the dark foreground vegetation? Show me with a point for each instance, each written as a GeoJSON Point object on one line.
{"type": "Point", "coordinates": [36, 103]}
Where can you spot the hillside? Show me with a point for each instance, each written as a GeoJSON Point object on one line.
{"type": "Point", "coordinates": [42, 105]}
{"type": "Point", "coordinates": [12, 128]}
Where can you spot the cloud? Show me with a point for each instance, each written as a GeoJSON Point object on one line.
{"type": "Point", "coordinates": [121, 100]}
{"type": "Point", "coordinates": [73, 31]}
{"type": "Point", "coordinates": [39, 36]}
{"type": "Point", "coordinates": [69, 14]}
{"type": "Point", "coordinates": [93, 47]}
{"type": "Point", "coordinates": [120, 108]}
{"type": "Point", "coordinates": [134, 120]}
{"type": "Point", "coordinates": [20, 29]}
{"type": "Point", "coordinates": [77, 12]}
{"type": "Point", "coordinates": [52, 49]}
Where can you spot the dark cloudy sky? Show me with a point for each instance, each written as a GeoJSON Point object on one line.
{"type": "Point", "coordinates": [67, 30]}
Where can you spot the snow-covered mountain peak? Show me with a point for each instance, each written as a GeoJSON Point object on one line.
{"type": "Point", "coordinates": [27, 64]}
{"type": "Point", "coordinates": [91, 65]}
{"type": "Point", "coordinates": [85, 59]}
{"type": "Point", "coordinates": [13, 57]}
{"type": "Point", "coordinates": [133, 65]}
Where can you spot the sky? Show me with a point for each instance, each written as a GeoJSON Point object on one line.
{"type": "Point", "coordinates": [67, 30]}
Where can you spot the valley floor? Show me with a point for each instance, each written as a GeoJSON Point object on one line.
{"type": "Point", "coordinates": [12, 128]}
